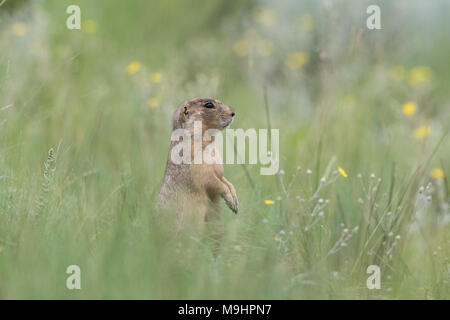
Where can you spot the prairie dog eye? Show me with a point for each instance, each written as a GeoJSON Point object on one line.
{"type": "Point", "coordinates": [209, 105]}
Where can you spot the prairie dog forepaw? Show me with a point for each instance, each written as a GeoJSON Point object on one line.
{"type": "Point", "coordinates": [232, 203]}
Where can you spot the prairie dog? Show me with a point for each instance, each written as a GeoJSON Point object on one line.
{"type": "Point", "coordinates": [194, 190]}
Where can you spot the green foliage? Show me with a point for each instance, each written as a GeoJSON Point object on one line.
{"type": "Point", "coordinates": [103, 97]}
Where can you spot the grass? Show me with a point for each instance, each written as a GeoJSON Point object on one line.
{"type": "Point", "coordinates": [333, 88]}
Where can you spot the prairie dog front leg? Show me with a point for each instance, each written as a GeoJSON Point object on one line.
{"type": "Point", "coordinates": [217, 186]}
{"type": "Point", "coordinates": [232, 191]}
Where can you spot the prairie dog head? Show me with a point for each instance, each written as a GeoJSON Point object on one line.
{"type": "Point", "coordinates": [212, 113]}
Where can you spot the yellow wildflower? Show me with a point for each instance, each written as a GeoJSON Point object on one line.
{"type": "Point", "coordinates": [398, 73]}
{"type": "Point", "coordinates": [437, 173]}
{"type": "Point", "coordinates": [265, 47]}
{"type": "Point", "coordinates": [421, 132]}
{"type": "Point", "coordinates": [19, 29]}
{"type": "Point", "coordinates": [89, 26]}
{"type": "Point", "coordinates": [419, 75]}
{"type": "Point", "coordinates": [242, 48]}
{"type": "Point", "coordinates": [307, 22]}
{"type": "Point", "coordinates": [269, 202]}
{"type": "Point", "coordinates": [134, 67]}
{"type": "Point", "coordinates": [265, 17]}
{"type": "Point", "coordinates": [409, 108]}
{"type": "Point", "coordinates": [277, 239]}
{"type": "Point", "coordinates": [296, 60]}
{"type": "Point", "coordinates": [342, 172]}
{"type": "Point", "coordinates": [156, 77]}
{"type": "Point", "coordinates": [153, 102]}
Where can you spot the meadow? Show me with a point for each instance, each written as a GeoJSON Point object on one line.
{"type": "Point", "coordinates": [85, 122]}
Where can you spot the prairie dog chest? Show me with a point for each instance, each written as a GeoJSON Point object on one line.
{"type": "Point", "coordinates": [204, 173]}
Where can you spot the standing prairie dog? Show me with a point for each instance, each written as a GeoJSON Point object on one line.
{"type": "Point", "coordinates": [194, 190]}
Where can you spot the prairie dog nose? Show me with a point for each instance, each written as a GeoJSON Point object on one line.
{"type": "Point", "coordinates": [232, 111]}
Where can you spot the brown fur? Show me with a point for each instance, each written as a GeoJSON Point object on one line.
{"type": "Point", "coordinates": [194, 190]}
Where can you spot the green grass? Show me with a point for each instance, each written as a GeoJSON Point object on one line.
{"type": "Point", "coordinates": [92, 205]}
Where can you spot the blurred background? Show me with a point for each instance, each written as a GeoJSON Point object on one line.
{"type": "Point", "coordinates": [85, 122]}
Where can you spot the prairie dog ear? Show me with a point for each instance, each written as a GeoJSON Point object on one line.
{"type": "Point", "coordinates": [180, 116]}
